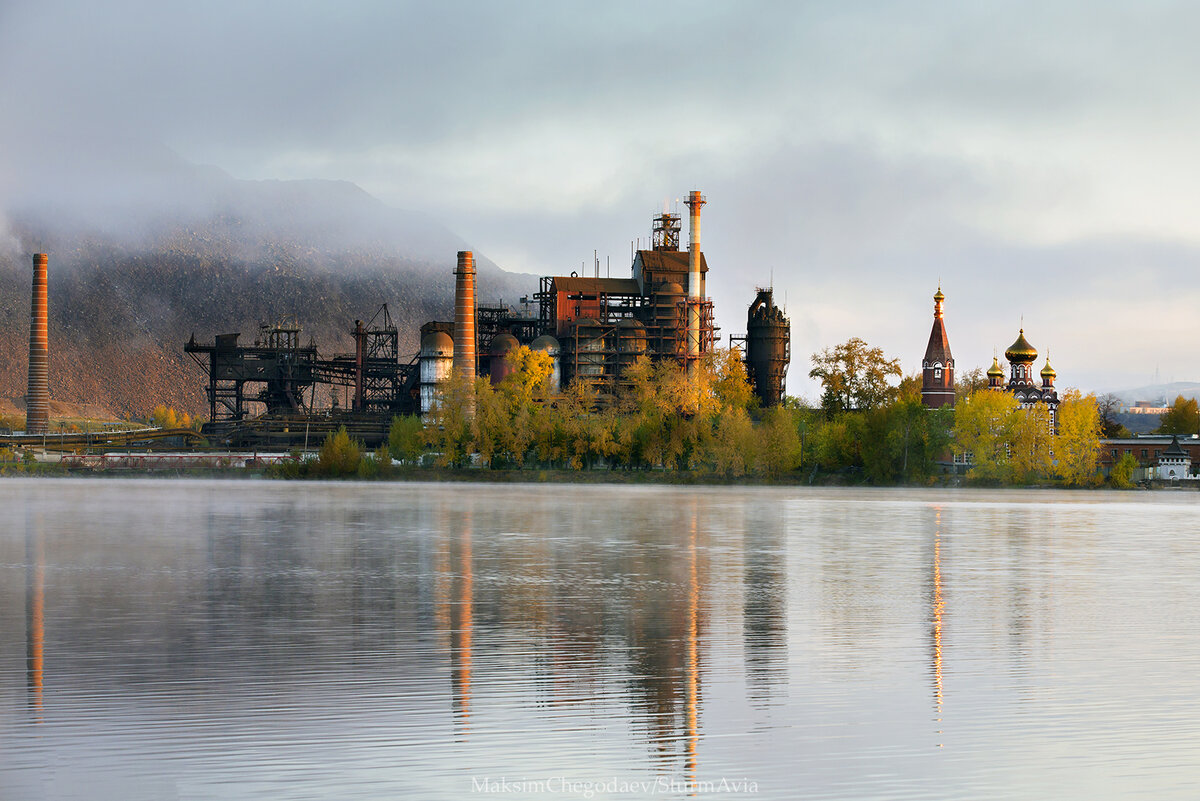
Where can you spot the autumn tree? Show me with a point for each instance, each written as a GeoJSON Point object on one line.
{"type": "Point", "coordinates": [1077, 443]}
{"type": "Point", "coordinates": [984, 426]}
{"type": "Point", "coordinates": [1182, 418]}
{"type": "Point", "coordinates": [339, 455]}
{"type": "Point", "coordinates": [855, 376]}
{"type": "Point", "coordinates": [1031, 446]}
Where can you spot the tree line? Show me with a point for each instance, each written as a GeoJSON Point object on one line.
{"type": "Point", "coordinates": [869, 427]}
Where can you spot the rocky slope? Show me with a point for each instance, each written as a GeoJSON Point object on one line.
{"type": "Point", "coordinates": [127, 289]}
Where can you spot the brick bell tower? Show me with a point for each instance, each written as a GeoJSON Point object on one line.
{"type": "Point", "coordinates": [937, 369]}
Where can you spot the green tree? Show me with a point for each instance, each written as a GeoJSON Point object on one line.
{"type": "Point", "coordinates": [1182, 418]}
{"type": "Point", "coordinates": [405, 438]}
{"type": "Point", "coordinates": [855, 376]}
{"type": "Point", "coordinates": [967, 382]}
{"type": "Point", "coordinates": [1121, 476]}
{"type": "Point", "coordinates": [780, 437]}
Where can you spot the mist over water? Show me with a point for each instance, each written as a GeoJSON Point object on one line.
{"type": "Point", "coordinates": [207, 639]}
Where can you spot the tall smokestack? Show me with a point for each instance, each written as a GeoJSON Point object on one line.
{"type": "Point", "coordinates": [464, 315]}
{"type": "Point", "coordinates": [37, 398]}
{"type": "Point", "coordinates": [694, 202]}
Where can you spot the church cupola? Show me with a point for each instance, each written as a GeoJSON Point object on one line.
{"type": "Point", "coordinates": [995, 375]}
{"type": "Point", "coordinates": [937, 368]}
{"type": "Point", "coordinates": [1048, 374]}
{"type": "Point", "coordinates": [1021, 356]}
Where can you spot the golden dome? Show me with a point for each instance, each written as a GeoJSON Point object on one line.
{"type": "Point", "coordinates": [1021, 351]}
{"type": "Point", "coordinates": [1048, 371]}
{"type": "Point", "coordinates": [995, 371]}
{"type": "Point", "coordinates": [939, 296]}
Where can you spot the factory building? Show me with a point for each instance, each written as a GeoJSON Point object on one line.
{"type": "Point", "coordinates": [592, 328]}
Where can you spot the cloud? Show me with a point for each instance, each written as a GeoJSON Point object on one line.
{"type": "Point", "coordinates": [1038, 158]}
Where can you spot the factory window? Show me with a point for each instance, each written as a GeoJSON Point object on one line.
{"type": "Point", "coordinates": [1157, 453]}
{"type": "Point", "coordinates": [1143, 453]}
{"type": "Point", "coordinates": [1114, 452]}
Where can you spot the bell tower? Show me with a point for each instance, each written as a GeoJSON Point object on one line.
{"type": "Point", "coordinates": [937, 368]}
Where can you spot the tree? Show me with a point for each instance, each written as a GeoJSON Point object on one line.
{"type": "Point", "coordinates": [855, 376]}
{"type": "Point", "coordinates": [1121, 476]}
{"type": "Point", "coordinates": [969, 381]}
{"type": "Point", "coordinates": [1182, 418]}
{"type": "Point", "coordinates": [1031, 444]}
{"type": "Point", "coordinates": [405, 437]}
{"type": "Point", "coordinates": [1109, 406]}
{"type": "Point", "coordinates": [1077, 444]}
{"type": "Point", "coordinates": [339, 455]}
{"type": "Point", "coordinates": [985, 423]}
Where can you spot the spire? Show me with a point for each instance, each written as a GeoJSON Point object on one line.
{"type": "Point", "coordinates": [937, 384]}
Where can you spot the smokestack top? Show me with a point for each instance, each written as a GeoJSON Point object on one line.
{"type": "Point", "coordinates": [466, 261]}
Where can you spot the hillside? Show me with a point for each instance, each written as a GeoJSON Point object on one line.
{"type": "Point", "coordinates": [128, 289]}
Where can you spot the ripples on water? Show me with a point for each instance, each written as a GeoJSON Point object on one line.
{"type": "Point", "coordinates": [186, 639]}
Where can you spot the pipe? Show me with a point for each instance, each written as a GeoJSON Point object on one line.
{"type": "Point", "coordinates": [694, 202]}
{"type": "Point", "coordinates": [464, 315]}
{"type": "Point", "coordinates": [37, 398]}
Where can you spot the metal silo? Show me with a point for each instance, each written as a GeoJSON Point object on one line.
{"type": "Point", "coordinates": [499, 367]}
{"type": "Point", "coordinates": [768, 348]}
{"type": "Point", "coordinates": [549, 345]}
{"type": "Point", "coordinates": [589, 350]}
{"type": "Point", "coordinates": [631, 343]}
{"type": "Point", "coordinates": [437, 365]}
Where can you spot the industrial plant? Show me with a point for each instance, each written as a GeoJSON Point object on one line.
{"type": "Point", "coordinates": [268, 393]}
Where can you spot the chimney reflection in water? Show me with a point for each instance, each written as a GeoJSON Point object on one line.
{"type": "Point", "coordinates": [458, 599]}
{"type": "Point", "coordinates": [35, 605]}
{"type": "Point", "coordinates": [692, 684]}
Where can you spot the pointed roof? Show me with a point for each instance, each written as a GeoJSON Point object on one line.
{"type": "Point", "coordinates": [938, 349]}
{"type": "Point", "coordinates": [1175, 449]}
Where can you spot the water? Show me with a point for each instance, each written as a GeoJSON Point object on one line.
{"type": "Point", "coordinates": [218, 640]}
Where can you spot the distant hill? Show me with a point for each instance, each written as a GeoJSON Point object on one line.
{"type": "Point", "coordinates": [194, 250]}
{"type": "Point", "coordinates": [1157, 392]}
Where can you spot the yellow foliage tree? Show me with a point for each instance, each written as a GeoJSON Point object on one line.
{"type": "Point", "coordinates": [1077, 444]}
{"type": "Point", "coordinates": [984, 427]}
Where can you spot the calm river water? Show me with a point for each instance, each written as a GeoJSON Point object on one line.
{"type": "Point", "coordinates": [251, 639]}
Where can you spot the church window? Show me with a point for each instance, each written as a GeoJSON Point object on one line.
{"type": "Point", "coordinates": [937, 372]}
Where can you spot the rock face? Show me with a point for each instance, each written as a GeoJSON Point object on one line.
{"type": "Point", "coordinates": [122, 305]}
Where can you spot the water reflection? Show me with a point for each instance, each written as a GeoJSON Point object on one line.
{"type": "Point", "coordinates": [939, 607]}
{"type": "Point", "coordinates": [764, 615]}
{"type": "Point", "coordinates": [35, 608]}
{"type": "Point", "coordinates": [364, 641]}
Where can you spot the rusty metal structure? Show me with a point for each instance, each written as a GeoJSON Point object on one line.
{"type": "Point", "coordinates": [592, 328]}
{"type": "Point", "coordinates": [767, 347]}
{"type": "Point", "coordinates": [37, 396]}
{"type": "Point", "coordinates": [282, 375]}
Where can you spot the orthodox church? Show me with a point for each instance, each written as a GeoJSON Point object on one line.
{"type": "Point", "coordinates": [937, 369]}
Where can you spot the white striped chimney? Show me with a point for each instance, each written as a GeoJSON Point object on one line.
{"type": "Point", "coordinates": [694, 202]}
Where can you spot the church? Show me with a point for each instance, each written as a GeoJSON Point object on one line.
{"type": "Point", "coordinates": [937, 369]}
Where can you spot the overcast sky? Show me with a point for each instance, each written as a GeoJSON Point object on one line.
{"type": "Point", "coordinates": [1038, 158]}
